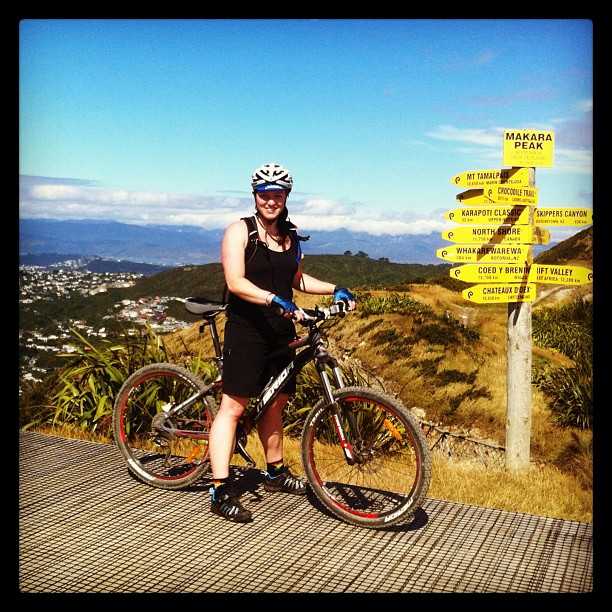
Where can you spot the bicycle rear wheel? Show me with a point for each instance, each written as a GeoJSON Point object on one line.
{"type": "Point", "coordinates": [169, 452]}
{"type": "Point", "coordinates": [391, 471]}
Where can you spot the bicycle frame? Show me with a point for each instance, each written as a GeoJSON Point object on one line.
{"type": "Point", "coordinates": [314, 351]}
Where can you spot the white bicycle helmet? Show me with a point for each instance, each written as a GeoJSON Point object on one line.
{"type": "Point", "coordinates": [271, 176]}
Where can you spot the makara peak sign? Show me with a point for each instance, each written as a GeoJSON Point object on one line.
{"type": "Point", "coordinates": [529, 148]}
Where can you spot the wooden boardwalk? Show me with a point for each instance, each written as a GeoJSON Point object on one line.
{"type": "Point", "coordinates": [85, 525]}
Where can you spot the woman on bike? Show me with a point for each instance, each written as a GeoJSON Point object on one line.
{"type": "Point", "coordinates": [261, 260]}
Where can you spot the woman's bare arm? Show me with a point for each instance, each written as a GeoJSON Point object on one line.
{"type": "Point", "coordinates": [232, 260]}
{"type": "Point", "coordinates": [310, 284]}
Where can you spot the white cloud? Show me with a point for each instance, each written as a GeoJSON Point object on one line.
{"type": "Point", "coordinates": [491, 137]}
{"type": "Point", "coordinates": [573, 141]}
{"type": "Point", "coordinates": [56, 200]}
{"type": "Point", "coordinates": [585, 106]}
{"type": "Point", "coordinates": [577, 161]}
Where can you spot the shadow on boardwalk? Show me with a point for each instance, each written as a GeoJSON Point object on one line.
{"type": "Point", "coordinates": [85, 525]}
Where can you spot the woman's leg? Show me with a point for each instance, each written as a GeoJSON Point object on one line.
{"type": "Point", "coordinates": [270, 429]}
{"type": "Point", "coordinates": [222, 434]}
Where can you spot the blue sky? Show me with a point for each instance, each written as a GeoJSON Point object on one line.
{"type": "Point", "coordinates": [163, 121]}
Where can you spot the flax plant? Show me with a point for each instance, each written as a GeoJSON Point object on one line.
{"type": "Point", "coordinates": [88, 384]}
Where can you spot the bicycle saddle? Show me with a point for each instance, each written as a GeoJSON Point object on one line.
{"type": "Point", "coordinates": [204, 306]}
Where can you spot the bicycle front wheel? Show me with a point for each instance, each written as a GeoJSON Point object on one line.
{"type": "Point", "coordinates": [388, 471]}
{"type": "Point", "coordinates": [164, 450]}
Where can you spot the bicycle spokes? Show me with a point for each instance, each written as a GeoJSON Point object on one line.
{"type": "Point", "coordinates": [384, 467]}
{"type": "Point", "coordinates": [165, 423]}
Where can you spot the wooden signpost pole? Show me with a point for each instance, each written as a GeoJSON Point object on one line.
{"type": "Point", "coordinates": [518, 374]}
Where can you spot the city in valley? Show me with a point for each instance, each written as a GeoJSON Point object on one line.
{"type": "Point", "coordinates": [41, 338]}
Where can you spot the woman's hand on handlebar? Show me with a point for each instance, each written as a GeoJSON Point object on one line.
{"type": "Point", "coordinates": [287, 308]}
{"type": "Point", "coordinates": [341, 294]}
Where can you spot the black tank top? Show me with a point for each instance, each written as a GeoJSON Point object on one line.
{"type": "Point", "coordinates": [272, 271]}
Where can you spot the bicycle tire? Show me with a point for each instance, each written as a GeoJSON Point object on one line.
{"type": "Point", "coordinates": [393, 476]}
{"type": "Point", "coordinates": [172, 463]}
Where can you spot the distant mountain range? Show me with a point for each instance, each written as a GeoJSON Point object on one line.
{"type": "Point", "coordinates": [174, 245]}
{"type": "Point", "coordinates": [577, 249]}
{"type": "Point", "coordinates": [89, 263]}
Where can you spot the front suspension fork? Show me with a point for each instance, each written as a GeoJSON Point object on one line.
{"type": "Point", "coordinates": [347, 447]}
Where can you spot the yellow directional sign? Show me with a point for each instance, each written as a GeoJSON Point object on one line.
{"type": "Point", "coordinates": [529, 148]}
{"type": "Point", "coordinates": [497, 214]}
{"type": "Point", "coordinates": [484, 253]}
{"type": "Point", "coordinates": [473, 196]}
{"type": "Point", "coordinates": [561, 275]}
{"type": "Point", "coordinates": [517, 273]}
{"type": "Point", "coordinates": [492, 273]}
{"type": "Point", "coordinates": [511, 194]}
{"type": "Point", "coordinates": [492, 294]}
{"type": "Point", "coordinates": [482, 178]}
{"type": "Point", "coordinates": [508, 234]}
{"type": "Point", "coordinates": [563, 216]}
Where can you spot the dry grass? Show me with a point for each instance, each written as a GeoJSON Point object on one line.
{"type": "Point", "coordinates": [560, 482]}
{"type": "Point", "coordinates": [542, 490]}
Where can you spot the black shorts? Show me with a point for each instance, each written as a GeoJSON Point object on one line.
{"type": "Point", "coordinates": [247, 361]}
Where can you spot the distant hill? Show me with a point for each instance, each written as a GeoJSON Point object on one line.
{"type": "Point", "coordinates": [155, 244]}
{"type": "Point", "coordinates": [172, 245]}
{"type": "Point", "coordinates": [46, 259]}
{"type": "Point", "coordinates": [91, 264]}
{"type": "Point", "coordinates": [576, 249]}
{"type": "Point", "coordinates": [344, 270]}
{"type": "Point", "coordinates": [109, 265]}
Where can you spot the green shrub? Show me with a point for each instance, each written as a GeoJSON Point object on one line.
{"type": "Point", "coordinates": [309, 392]}
{"type": "Point", "coordinates": [83, 392]}
{"type": "Point", "coordinates": [568, 329]}
{"type": "Point", "coordinates": [394, 303]}
{"type": "Point", "coordinates": [571, 393]}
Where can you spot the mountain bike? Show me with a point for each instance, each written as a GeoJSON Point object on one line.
{"type": "Point", "coordinates": [363, 453]}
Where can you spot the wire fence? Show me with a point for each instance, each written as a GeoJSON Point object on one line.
{"type": "Point", "coordinates": [462, 445]}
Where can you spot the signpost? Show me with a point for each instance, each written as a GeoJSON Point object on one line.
{"type": "Point", "coordinates": [529, 148]}
{"type": "Point", "coordinates": [482, 178]}
{"type": "Point", "coordinates": [499, 193]}
{"type": "Point", "coordinates": [517, 273]}
{"type": "Point", "coordinates": [508, 234]}
{"type": "Point", "coordinates": [501, 223]}
{"type": "Point", "coordinates": [511, 194]}
{"type": "Point", "coordinates": [485, 253]}
{"type": "Point", "coordinates": [563, 216]}
{"type": "Point", "coordinates": [517, 214]}
{"type": "Point", "coordinates": [494, 294]}
{"type": "Point", "coordinates": [495, 215]}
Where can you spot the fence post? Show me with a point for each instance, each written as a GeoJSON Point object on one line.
{"type": "Point", "coordinates": [518, 373]}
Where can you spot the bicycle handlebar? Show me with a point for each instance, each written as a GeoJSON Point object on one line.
{"type": "Point", "coordinates": [321, 314]}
